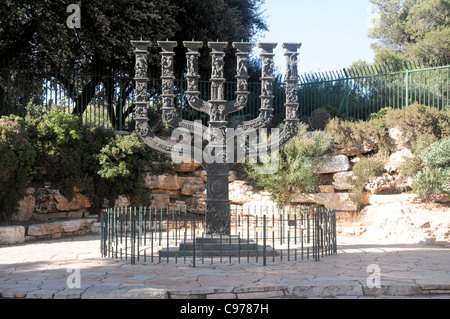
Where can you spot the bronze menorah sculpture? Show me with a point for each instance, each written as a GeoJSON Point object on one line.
{"type": "Point", "coordinates": [216, 157]}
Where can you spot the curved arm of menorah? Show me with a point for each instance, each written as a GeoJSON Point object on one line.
{"type": "Point", "coordinates": [180, 151]}
{"type": "Point", "coordinates": [274, 144]}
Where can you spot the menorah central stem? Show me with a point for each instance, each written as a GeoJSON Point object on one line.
{"type": "Point", "coordinates": [217, 199]}
{"type": "Point", "coordinates": [214, 155]}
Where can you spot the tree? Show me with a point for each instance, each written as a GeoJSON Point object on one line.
{"type": "Point", "coordinates": [99, 52]}
{"type": "Point", "coordinates": [410, 30]}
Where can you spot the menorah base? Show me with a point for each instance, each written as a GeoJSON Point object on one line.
{"type": "Point", "coordinates": [218, 219]}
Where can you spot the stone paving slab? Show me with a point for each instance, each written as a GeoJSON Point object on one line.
{"type": "Point", "coordinates": [49, 269]}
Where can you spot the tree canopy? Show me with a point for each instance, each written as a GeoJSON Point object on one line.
{"type": "Point", "coordinates": [410, 30]}
{"type": "Point", "coordinates": [34, 34]}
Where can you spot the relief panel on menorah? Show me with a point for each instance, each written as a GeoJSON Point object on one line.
{"type": "Point", "coordinates": [140, 69]}
{"type": "Point", "coordinates": [141, 91]}
{"type": "Point", "coordinates": [217, 67]}
{"type": "Point", "coordinates": [167, 101]}
{"type": "Point", "coordinates": [141, 111]}
{"type": "Point", "coordinates": [167, 86]}
{"type": "Point", "coordinates": [242, 85]}
{"type": "Point", "coordinates": [192, 84]}
{"type": "Point", "coordinates": [168, 116]}
{"type": "Point", "coordinates": [292, 69]}
{"type": "Point", "coordinates": [142, 128]}
{"type": "Point", "coordinates": [192, 65]}
{"type": "Point", "coordinates": [217, 113]}
{"type": "Point", "coordinates": [267, 88]}
{"type": "Point", "coordinates": [291, 93]}
{"type": "Point", "coordinates": [242, 66]}
{"type": "Point", "coordinates": [167, 66]}
{"type": "Point", "coordinates": [267, 67]}
{"type": "Point", "coordinates": [217, 91]}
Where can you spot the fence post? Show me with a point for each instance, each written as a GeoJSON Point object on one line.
{"type": "Point", "coordinates": [407, 87]}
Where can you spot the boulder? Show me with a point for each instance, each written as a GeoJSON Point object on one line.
{"type": "Point", "coordinates": [74, 225]}
{"type": "Point", "coordinates": [396, 159]}
{"type": "Point", "coordinates": [329, 164]}
{"type": "Point", "coordinates": [169, 182]}
{"type": "Point", "coordinates": [160, 199]}
{"type": "Point", "coordinates": [303, 198]}
{"type": "Point", "coordinates": [45, 229]}
{"type": "Point", "coordinates": [78, 202]}
{"type": "Point", "coordinates": [326, 188]}
{"type": "Point", "coordinates": [190, 188]}
{"type": "Point", "coordinates": [122, 201]}
{"type": "Point", "coordinates": [396, 137]}
{"type": "Point", "coordinates": [26, 209]}
{"type": "Point", "coordinates": [190, 179]}
{"type": "Point", "coordinates": [336, 201]}
{"type": "Point", "coordinates": [240, 192]}
{"type": "Point", "coordinates": [10, 235]}
{"type": "Point", "coordinates": [342, 180]}
{"type": "Point", "coordinates": [187, 167]}
{"type": "Point", "coordinates": [381, 183]}
{"type": "Point", "coordinates": [368, 145]}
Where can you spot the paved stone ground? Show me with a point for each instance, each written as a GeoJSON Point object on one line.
{"type": "Point", "coordinates": [49, 269]}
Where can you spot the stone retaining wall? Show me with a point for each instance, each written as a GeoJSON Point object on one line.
{"type": "Point", "coordinates": [17, 234]}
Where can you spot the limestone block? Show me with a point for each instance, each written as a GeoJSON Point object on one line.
{"type": "Point", "coordinates": [396, 159]}
{"type": "Point", "coordinates": [74, 225]}
{"type": "Point", "coordinates": [169, 182]}
{"type": "Point", "coordinates": [45, 229]}
{"type": "Point", "coordinates": [326, 188]}
{"type": "Point", "coordinates": [122, 201]}
{"type": "Point", "coordinates": [366, 146]}
{"type": "Point", "coordinates": [381, 183]}
{"type": "Point", "coordinates": [188, 167]}
{"type": "Point", "coordinates": [151, 181]}
{"type": "Point", "coordinates": [327, 164]}
{"type": "Point", "coordinates": [342, 180]}
{"type": "Point", "coordinates": [336, 201]}
{"type": "Point", "coordinates": [303, 198]}
{"type": "Point", "coordinates": [190, 179]}
{"type": "Point", "coordinates": [192, 188]}
{"type": "Point", "coordinates": [10, 235]}
{"type": "Point", "coordinates": [160, 199]}
{"type": "Point", "coordinates": [26, 209]}
{"type": "Point", "coordinates": [78, 202]}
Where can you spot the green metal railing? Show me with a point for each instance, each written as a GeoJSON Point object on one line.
{"type": "Point", "coordinates": [105, 99]}
{"type": "Point", "coordinates": [258, 235]}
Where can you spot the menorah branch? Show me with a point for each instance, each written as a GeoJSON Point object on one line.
{"type": "Point", "coordinates": [215, 156]}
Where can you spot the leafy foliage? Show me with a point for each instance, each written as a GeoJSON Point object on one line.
{"type": "Point", "coordinates": [410, 29]}
{"type": "Point", "coordinates": [59, 150]}
{"type": "Point", "coordinates": [363, 172]}
{"type": "Point", "coordinates": [433, 181]}
{"type": "Point", "coordinates": [16, 164]}
{"type": "Point", "coordinates": [295, 173]}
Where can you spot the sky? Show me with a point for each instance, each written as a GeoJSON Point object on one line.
{"type": "Point", "coordinates": [333, 33]}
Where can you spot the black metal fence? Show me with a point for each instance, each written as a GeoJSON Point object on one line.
{"type": "Point", "coordinates": [259, 235]}
{"type": "Point", "coordinates": [105, 99]}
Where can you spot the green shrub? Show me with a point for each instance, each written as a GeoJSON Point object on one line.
{"type": "Point", "coordinates": [122, 164]}
{"type": "Point", "coordinates": [363, 172]}
{"type": "Point", "coordinates": [432, 182]}
{"type": "Point", "coordinates": [348, 134]}
{"type": "Point", "coordinates": [17, 157]}
{"type": "Point", "coordinates": [419, 125]}
{"type": "Point", "coordinates": [295, 173]}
